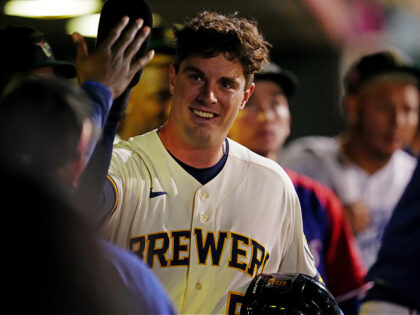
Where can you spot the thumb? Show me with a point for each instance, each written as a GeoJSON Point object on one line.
{"type": "Point", "coordinates": [81, 55]}
{"type": "Point", "coordinates": [81, 47]}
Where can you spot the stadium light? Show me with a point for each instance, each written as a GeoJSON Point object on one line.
{"type": "Point", "coordinates": [51, 8]}
{"type": "Point", "coordinates": [86, 25]}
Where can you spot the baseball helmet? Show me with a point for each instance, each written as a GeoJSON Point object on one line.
{"type": "Point", "coordinates": [288, 294]}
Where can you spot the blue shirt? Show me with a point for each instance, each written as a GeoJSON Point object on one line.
{"type": "Point", "coordinates": [151, 297]}
{"type": "Point", "coordinates": [395, 272]}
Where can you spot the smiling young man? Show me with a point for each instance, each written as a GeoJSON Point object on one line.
{"type": "Point", "coordinates": [204, 212]}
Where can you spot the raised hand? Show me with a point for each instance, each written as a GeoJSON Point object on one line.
{"type": "Point", "coordinates": [113, 62]}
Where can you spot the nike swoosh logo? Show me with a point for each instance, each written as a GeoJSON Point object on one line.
{"type": "Point", "coordinates": [154, 194]}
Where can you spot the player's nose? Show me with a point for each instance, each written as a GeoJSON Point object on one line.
{"type": "Point", "coordinates": [207, 95]}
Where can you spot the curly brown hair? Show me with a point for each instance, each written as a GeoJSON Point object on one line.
{"type": "Point", "coordinates": [208, 33]}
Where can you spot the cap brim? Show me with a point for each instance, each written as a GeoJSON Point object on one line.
{"type": "Point", "coordinates": [413, 71]}
{"type": "Point", "coordinates": [61, 68]}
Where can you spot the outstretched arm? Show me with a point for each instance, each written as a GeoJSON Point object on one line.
{"type": "Point", "coordinates": [105, 75]}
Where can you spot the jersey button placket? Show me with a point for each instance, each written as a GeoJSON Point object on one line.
{"type": "Point", "coordinates": [198, 286]}
{"type": "Point", "coordinates": [201, 220]}
{"type": "Point", "coordinates": [203, 195]}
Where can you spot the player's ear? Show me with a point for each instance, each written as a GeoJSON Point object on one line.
{"type": "Point", "coordinates": [172, 75]}
{"type": "Point", "coordinates": [247, 95]}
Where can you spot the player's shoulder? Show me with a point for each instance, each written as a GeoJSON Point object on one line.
{"type": "Point", "coordinates": [307, 186]}
{"type": "Point", "coordinates": [402, 165]}
{"type": "Point", "coordinates": [257, 164]}
{"type": "Point", "coordinates": [307, 183]}
{"type": "Point", "coordinates": [402, 158]}
{"type": "Point", "coordinates": [316, 146]}
{"type": "Point", "coordinates": [138, 145]}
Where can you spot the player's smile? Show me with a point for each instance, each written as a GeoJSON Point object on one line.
{"type": "Point", "coordinates": [203, 114]}
{"type": "Point", "coordinates": [207, 95]}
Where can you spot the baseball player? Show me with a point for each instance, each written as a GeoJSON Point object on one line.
{"type": "Point", "coordinates": [365, 165]}
{"type": "Point", "coordinates": [264, 126]}
{"type": "Point", "coordinates": [204, 212]}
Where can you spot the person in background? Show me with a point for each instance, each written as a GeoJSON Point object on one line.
{"type": "Point", "coordinates": [49, 120]}
{"type": "Point", "coordinates": [29, 53]}
{"type": "Point", "coordinates": [55, 264]}
{"type": "Point", "coordinates": [263, 126]}
{"type": "Point", "coordinates": [51, 128]}
{"type": "Point", "coordinates": [365, 165]}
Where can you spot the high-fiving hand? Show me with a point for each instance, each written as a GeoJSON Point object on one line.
{"type": "Point", "coordinates": [113, 63]}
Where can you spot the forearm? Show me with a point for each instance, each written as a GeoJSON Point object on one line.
{"type": "Point", "coordinates": [92, 181]}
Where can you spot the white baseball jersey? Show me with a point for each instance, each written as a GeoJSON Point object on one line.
{"type": "Point", "coordinates": [206, 242]}
{"type": "Point", "coordinates": [322, 159]}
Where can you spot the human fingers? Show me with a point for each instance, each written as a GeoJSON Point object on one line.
{"type": "Point", "coordinates": [140, 63]}
{"type": "Point", "coordinates": [115, 33]}
{"type": "Point", "coordinates": [126, 38]}
{"type": "Point", "coordinates": [137, 43]}
{"type": "Point", "coordinates": [81, 46]}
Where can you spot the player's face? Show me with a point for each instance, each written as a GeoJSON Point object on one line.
{"type": "Point", "coordinates": [149, 103]}
{"type": "Point", "coordinates": [264, 125]}
{"type": "Point", "coordinates": [207, 94]}
{"type": "Point", "coordinates": [387, 116]}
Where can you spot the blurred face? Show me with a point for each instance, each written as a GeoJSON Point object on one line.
{"type": "Point", "coordinates": [207, 95]}
{"type": "Point", "coordinates": [149, 103]}
{"type": "Point", "coordinates": [385, 116]}
{"type": "Point", "coordinates": [264, 125]}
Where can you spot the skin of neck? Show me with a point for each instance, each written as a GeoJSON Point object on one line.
{"type": "Point", "coordinates": [273, 155]}
{"type": "Point", "coordinates": [198, 157]}
{"type": "Point", "coordinates": [361, 156]}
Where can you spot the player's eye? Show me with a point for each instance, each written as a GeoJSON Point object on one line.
{"type": "Point", "coordinates": [409, 109]}
{"type": "Point", "coordinates": [228, 84]}
{"type": "Point", "coordinates": [195, 77]}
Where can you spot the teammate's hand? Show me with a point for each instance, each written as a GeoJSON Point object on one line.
{"type": "Point", "coordinates": [358, 215]}
{"type": "Point", "coordinates": [113, 63]}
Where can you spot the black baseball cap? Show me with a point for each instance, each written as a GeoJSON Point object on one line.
{"type": "Point", "coordinates": [113, 11]}
{"type": "Point", "coordinates": [24, 48]}
{"type": "Point", "coordinates": [283, 77]}
{"type": "Point", "coordinates": [371, 66]}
